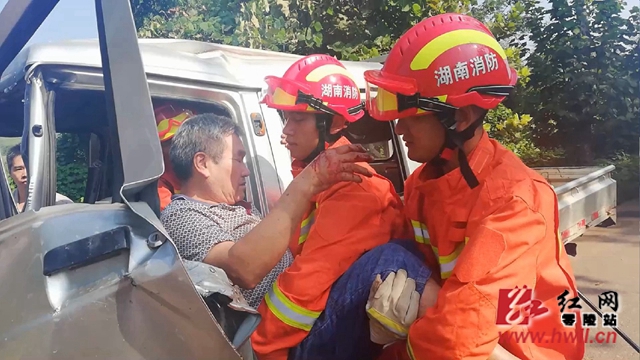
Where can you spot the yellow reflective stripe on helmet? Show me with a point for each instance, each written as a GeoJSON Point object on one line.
{"type": "Point", "coordinates": [289, 313]}
{"type": "Point", "coordinates": [449, 40]}
{"type": "Point", "coordinates": [305, 226]}
{"type": "Point", "coordinates": [323, 71]}
{"type": "Point", "coordinates": [410, 350]}
{"type": "Point", "coordinates": [448, 262]}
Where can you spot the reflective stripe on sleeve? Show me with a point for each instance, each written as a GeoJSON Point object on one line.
{"type": "Point", "coordinates": [305, 226]}
{"type": "Point", "coordinates": [288, 312]}
{"type": "Point", "coordinates": [448, 262]}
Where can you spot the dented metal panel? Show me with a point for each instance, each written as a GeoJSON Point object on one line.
{"type": "Point", "coordinates": [139, 304]}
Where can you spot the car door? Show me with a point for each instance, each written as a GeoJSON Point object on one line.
{"type": "Point", "coordinates": [101, 280]}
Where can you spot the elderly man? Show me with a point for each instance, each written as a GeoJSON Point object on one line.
{"type": "Point", "coordinates": [210, 222]}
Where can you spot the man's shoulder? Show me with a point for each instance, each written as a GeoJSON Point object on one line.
{"type": "Point", "coordinates": [510, 179]}
{"type": "Point", "coordinates": [181, 207]}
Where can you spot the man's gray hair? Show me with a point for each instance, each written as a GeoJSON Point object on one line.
{"type": "Point", "coordinates": [201, 133]}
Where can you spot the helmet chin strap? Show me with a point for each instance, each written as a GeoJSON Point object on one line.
{"type": "Point", "coordinates": [322, 131]}
{"type": "Point", "coordinates": [323, 124]}
{"type": "Point", "coordinates": [455, 140]}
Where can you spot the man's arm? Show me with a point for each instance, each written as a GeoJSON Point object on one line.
{"type": "Point", "coordinates": [462, 324]}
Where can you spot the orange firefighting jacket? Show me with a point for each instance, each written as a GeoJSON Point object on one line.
{"type": "Point", "coordinates": [501, 235]}
{"type": "Point", "coordinates": [342, 223]}
{"type": "Point", "coordinates": [168, 185]}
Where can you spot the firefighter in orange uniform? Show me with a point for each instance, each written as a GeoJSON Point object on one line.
{"type": "Point", "coordinates": [480, 216]}
{"type": "Point", "coordinates": [169, 117]}
{"type": "Point", "coordinates": [310, 311]}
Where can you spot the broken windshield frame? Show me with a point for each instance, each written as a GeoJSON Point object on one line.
{"type": "Point", "coordinates": [137, 165]}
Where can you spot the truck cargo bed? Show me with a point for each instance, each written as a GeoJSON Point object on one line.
{"type": "Point", "coordinates": [586, 197]}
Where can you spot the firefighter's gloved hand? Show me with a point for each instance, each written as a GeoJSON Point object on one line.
{"type": "Point", "coordinates": [392, 307]}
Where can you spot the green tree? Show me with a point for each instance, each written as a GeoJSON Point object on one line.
{"type": "Point", "coordinates": [582, 89]}
{"type": "Point", "coordinates": [347, 30]}
{"type": "Point", "coordinates": [71, 161]}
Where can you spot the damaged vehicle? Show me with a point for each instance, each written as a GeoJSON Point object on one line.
{"type": "Point", "coordinates": [98, 279]}
{"type": "Point", "coordinates": [101, 278]}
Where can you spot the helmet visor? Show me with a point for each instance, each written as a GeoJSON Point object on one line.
{"type": "Point", "coordinates": [383, 93]}
{"type": "Point", "coordinates": [282, 94]}
{"type": "Point", "coordinates": [393, 97]}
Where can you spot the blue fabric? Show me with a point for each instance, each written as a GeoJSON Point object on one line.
{"type": "Point", "coordinates": [342, 330]}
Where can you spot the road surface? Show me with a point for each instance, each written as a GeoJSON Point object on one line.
{"type": "Point", "coordinates": [609, 259]}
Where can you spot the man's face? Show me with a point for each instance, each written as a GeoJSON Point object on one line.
{"type": "Point", "coordinates": [300, 133]}
{"type": "Point", "coordinates": [18, 171]}
{"type": "Point", "coordinates": [423, 136]}
{"type": "Point", "coordinates": [227, 178]}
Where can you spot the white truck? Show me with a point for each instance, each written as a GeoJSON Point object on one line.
{"type": "Point", "coordinates": [101, 278]}
{"type": "Point", "coordinates": [587, 197]}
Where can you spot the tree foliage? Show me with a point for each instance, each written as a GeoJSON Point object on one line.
{"type": "Point", "coordinates": [347, 30]}
{"type": "Point", "coordinates": [576, 103]}
{"type": "Point", "coordinates": [71, 161]}
{"type": "Point", "coordinates": [583, 90]}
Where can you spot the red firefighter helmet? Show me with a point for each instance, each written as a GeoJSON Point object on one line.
{"type": "Point", "coordinates": [443, 63]}
{"type": "Point", "coordinates": [169, 118]}
{"type": "Point", "coordinates": [316, 83]}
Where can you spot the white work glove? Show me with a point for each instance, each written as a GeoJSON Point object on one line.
{"type": "Point", "coordinates": [392, 307]}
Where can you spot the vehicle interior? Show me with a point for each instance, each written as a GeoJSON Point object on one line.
{"type": "Point", "coordinates": [378, 137]}
{"type": "Point", "coordinates": [81, 123]}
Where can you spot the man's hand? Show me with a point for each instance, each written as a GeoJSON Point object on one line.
{"type": "Point", "coordinates": [335, 165]}
{"type": "Point", "coordinates": [392, 307]}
